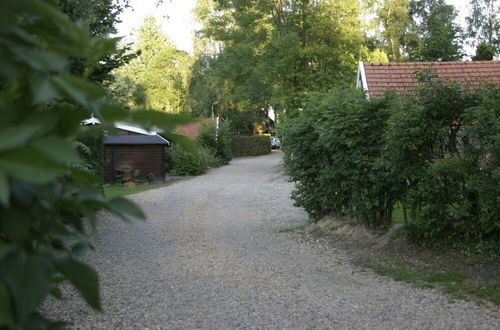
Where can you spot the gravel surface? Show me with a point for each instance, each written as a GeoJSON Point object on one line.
{"type": "Point", "coordinates": [213, 254]}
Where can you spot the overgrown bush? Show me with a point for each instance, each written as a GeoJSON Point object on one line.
{"type": "Point", "coordinates": [443, 145]}
{"type": "Point", "coordinates": [332, 152]}
{"type": "Point", "coordinates": [250, 145]}
{"type": "Point", "coordinates": [90, 147]}
{"type": "Point", "coordinates": [437, 153]}
{"type": "Point", "coordinates": [219, 142]}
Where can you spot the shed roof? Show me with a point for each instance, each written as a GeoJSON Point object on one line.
{"type": "Point", "coordinates": [135, 140]}
{"type": "Point", "coordinates": [401, 77]}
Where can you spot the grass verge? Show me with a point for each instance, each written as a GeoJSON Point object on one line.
{"type": "Point", "coordinates": [454, 283]}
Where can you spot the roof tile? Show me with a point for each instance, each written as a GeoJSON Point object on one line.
{"type": "Point", "coordinates": [402, 76]}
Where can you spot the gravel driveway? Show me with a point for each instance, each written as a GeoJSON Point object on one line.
{"type": "Point", "coordinates": [212, 254]}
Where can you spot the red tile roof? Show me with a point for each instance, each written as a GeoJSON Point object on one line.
{"type": "Point", "coordinates": [401, 77]}
{"type": "Point", "coordinates": [191, 130]}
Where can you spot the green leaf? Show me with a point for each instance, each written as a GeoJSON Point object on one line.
{"type": "Point", "coordinates": [185, 142]}
{"type": "Point", "coordinates": [29, 281]}
{"type": "Point", "coordinates": [59, 150]}
{"type": "Point", "coordinates": [43, 89]}
{"type": "Point", "coordinates": [78, 89]}
{"type": "Point", "coordinates": [123, 207]}
{"type": "Point", "coordinates": [31, 165]}
{"type": "Point", "coordinates": [83, 277]}
{"type": "Point", "coordinates": [148, 119]}
{"type": "Point", "coordinates": [11, 137]}
{"type": "Point", "coordinates": [6, 312]}
{"type": "Point", "coordinates": [85, 177]}
{"type": "Point", "coordinates": [4, 190]}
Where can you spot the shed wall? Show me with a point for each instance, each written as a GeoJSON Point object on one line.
{"type": "Point", "coordinates": [146, 158]}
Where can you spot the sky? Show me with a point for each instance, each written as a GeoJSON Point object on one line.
{"type": "Point", "coordinates": [178, 23]}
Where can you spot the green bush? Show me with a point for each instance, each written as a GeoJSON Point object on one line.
{"type": "Point", "coordinates": [219, 142]}
{"type": "Point", "coordinates": [327, 154]}
{"type": "Point", "coordinates": [189, 163]}
{"type": "Point", "coordinates": [443, 145]}
{"type": "Point", "coordinates": [435, 153]}
{"type": "Point", "coordinates": [90, 146]}
{"type": "Point", "coordinates": [251, 145]}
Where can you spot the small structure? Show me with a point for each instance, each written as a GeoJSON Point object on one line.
{"type": "Point", "coordinates": [133, 149]}
{"type": "Point", "coordinates": [401, 77]}
{"type": "Point", "coordinates": [137, 152]}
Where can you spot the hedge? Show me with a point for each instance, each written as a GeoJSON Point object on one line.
{"type": "Point", "coordinates": [251, 145]}
{"type": "Point", "coordinates": [435, 152]}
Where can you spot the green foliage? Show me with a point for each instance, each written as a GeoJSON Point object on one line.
{"type": "Point", "coordinates": [256, 54]}
{"type": "Point", "coordinates": [483, 23]}
{"type": "Point", "coordinates": [158, 77]}
{"type": "Point", "coordinates": [434, 153]}
{"type": "Point", "coordinates": [327, 154]}
{"type": "Point", "coordinates": [395, 20]}
{"type": "Point", "coordinates": [483, 52]}
{"type": "Point", "coordinates": [443, 146]}
{"type": "Point", "coordinates": [91, 148]}
{"type": "Point", "coordinates": [439, 36]}
{"type": "Point", "coordinates": [251, 145]}
{"type": "Point", "coordinates": [46, 200]}
{"type": "Point", "coordinates": [188, 163]}
{"type": "Point", "coordinates": [219, 142]}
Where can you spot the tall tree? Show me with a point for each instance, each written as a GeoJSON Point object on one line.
{"type": "Point", "coordinates": [101, 17]}
{"type": "Point", "coordinates": [439, 37]}
{"type": "Point", "coordinates": [395, 20]}
{"type": "Point", "coordinates": [483, 23]}
{"type": "Point", "coordinates": [274, 52]}
{"type": "Point", "coordinates": [160, 72]}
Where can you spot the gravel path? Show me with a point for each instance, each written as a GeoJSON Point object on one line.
{"type": "Point", "coordinates": [212, 255]}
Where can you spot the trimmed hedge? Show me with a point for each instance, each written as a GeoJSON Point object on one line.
{"type": "Point", "coordinates": [251, 145]}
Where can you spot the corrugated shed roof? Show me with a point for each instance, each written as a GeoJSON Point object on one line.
{"type": "Point", "coordinates": [402, 77]}
{"type": "Point", "coordinates": [135, 139]}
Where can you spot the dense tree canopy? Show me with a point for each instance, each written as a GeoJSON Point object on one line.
{"type": "Point", "coordinates": [158, 77]}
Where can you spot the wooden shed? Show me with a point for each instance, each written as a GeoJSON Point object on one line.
{"type": "Point", "coordinates": [145, 153]}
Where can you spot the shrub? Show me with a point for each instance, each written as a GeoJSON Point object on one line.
{"type": "Point", "coordinates": [251, 145]}
{"type": "Point", "coordinates": [219, 142]}
{"type": "Point", "coordinates": [327, 155]}
{"type": "Point", "coordinates": [436, 153]}
{"type": "Point", "coordinates": [91, 148]}
{"type": "Point", "coordinates": [189, 163]}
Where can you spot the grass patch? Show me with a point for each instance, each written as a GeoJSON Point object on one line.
{"type": "Point", "coordinates": [445, 277]}
{"type": "Point", "coordinates": [117, 191]}
{"type": "Point", "coordinates": [453, 283]}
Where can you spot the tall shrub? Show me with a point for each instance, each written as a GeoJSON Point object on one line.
{"type": "Point", "coordinates": [333, 153]}
{"type": "Point", "coordinates": [218, 141]}
{"type": "Point", "coordinates": [443, 147]}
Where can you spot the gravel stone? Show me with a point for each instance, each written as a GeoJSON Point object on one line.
{"type": "Point", "coordinates": [215, 254]}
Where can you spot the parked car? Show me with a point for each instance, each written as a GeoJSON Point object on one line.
{"type": "Point", "coordinates": [275, 143]}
